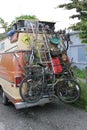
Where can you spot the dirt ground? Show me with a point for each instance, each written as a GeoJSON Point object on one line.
{"type": "Point", "coordinates": [53, 116]}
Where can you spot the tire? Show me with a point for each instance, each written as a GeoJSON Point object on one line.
{"type": "Point", "coordinates": [68, 90]}
{"type": "Point", "coordinates": [31, 90]}
{"type": "Point", "coordinates": [4, 99]}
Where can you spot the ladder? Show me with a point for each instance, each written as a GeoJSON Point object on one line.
{"type": "Point", "coordinates": [43, 52]}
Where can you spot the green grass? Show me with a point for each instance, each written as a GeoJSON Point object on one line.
{"type": "Point", "coordinates": [80, 73]}
{"type": "Point", "coordinates": [82, 102]}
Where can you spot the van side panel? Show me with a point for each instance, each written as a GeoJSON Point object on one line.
{"type": "Point", "coordinates": [10, 66]}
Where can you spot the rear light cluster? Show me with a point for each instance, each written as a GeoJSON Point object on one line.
{"type": "Point", "coordinates": [18, 81]}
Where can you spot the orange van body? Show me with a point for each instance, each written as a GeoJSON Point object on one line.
{"type": "Point", "coordinates": [9, 66]}
{"type": "Point", "coordinates": [10, 69]}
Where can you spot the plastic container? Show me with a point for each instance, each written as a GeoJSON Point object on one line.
{"type": "Point", "coordinates": [57, 68]}
{"type": "Point", "coordinates": [11, 33]}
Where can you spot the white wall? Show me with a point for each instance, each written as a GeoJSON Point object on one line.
{"type": "Point", "coordinates": [7, 45]}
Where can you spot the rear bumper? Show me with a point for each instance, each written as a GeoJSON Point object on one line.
{"type": "Point", "coordinates": [42, 101]}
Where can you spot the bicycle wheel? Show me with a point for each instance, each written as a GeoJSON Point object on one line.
{"type": "Point", "coordinates": [68, 90]}
{"type": "Point", "coordinates": [31, 89]}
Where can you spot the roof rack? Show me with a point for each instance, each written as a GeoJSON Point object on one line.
{"type": "Point", "coordinates": [26, 25]}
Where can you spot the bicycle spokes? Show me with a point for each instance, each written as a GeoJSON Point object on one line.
{"type": "Point", "coordinates": [68, 91]}
{"type": "Point", "coordinates": [31, 90]}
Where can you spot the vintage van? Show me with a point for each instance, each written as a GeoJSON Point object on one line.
{"type": "Point", "coordinates": [15, 52]}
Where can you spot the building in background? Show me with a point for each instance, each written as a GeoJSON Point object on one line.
{"type": "Point", "coordinates": [77, 51]}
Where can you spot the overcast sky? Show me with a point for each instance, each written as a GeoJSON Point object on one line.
{"type": "Point", "coordinates": [42, 9]}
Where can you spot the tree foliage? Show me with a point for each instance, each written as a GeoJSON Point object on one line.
{"type": "Point", "coordinates": [81, 8]}
{"type": "Point", "coordinates": [26, 17]}
{"type": "Point", "coordinates": [3, 24]}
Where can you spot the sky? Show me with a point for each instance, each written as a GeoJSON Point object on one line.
{"type": "Point", "coordinates": [44, 10]}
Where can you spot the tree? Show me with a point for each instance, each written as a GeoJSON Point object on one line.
{"type": "Point", "coordinates": [81, 8]}
{"type": "Point", "coordinates": [3, 24]}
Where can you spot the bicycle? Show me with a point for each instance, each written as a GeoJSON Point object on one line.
{"type": "Point", "coordinates": [67, 88]}
{"type": "Point", "coordinates": [36, 84]}
{"type": "Point", "coordinates": [41, 83]}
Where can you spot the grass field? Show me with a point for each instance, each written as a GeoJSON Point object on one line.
{"type": "Point", "coordinates": [82, 102]}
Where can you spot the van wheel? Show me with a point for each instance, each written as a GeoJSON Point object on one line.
{"type": "Point", "coordinates": [4, 99]}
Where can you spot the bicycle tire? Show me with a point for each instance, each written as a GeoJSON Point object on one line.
{"type": "Point", "coordinates": [31, 89]}
{"type": "Point", "coordinates": [68, 90]}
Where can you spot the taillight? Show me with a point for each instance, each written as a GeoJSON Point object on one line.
{"type": "Point", "coordinates": [18, 81]}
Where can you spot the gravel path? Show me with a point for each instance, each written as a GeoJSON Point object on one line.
{"type": "Point", "coordinates": [52, 116]}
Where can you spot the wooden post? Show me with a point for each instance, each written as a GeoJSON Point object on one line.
{"type": "Point", "coordinates": [86, 78]}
